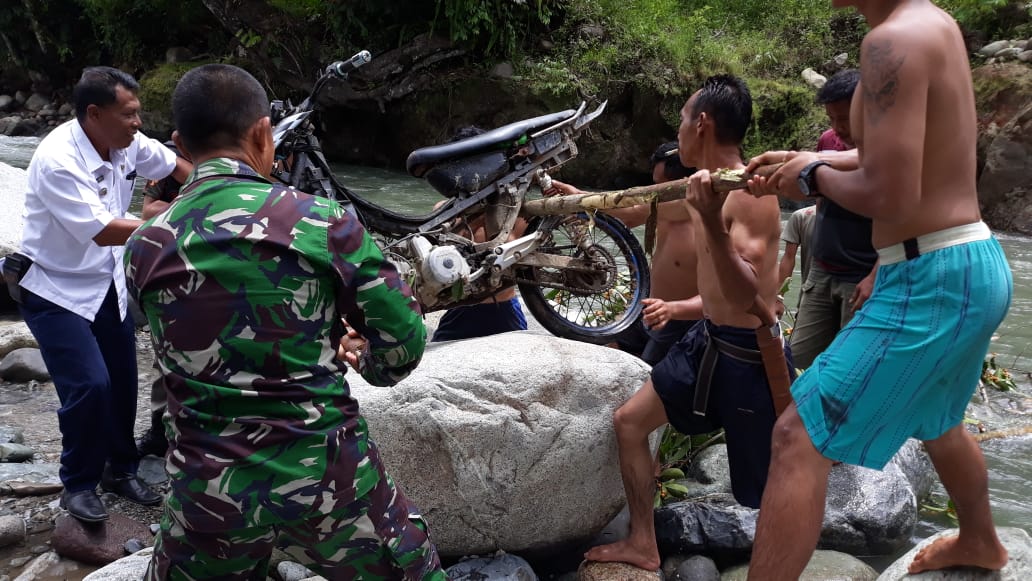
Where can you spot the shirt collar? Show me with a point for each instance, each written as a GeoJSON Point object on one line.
{"type": "Point", "coordinates": [89, 153]}
{"type": "Point", "coordinates": [222, 166]}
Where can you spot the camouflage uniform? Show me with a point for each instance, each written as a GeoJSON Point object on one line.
{"type": "Point", "coordinates": [244, 284]}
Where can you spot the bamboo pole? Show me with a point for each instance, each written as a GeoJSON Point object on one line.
{"type": "Point", "coordinates": [724, 181]}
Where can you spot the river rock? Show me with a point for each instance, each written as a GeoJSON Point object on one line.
{"type": "Point", "coordinates": [14, 182]}
{"type": "Point", "coordinates": [813, 78]}
{"type": "Point", "coordinates": [6, 102]}
{"type": "Point", "coordinates": [8, 123]}
{"type": "Point", "coordinates": [1008, 53]}
{"type": "Point", "coordinates": [36, 102]}
{"type": "Point", "coordinates": [16, 335]}
{"type": "Point", "coordinates": [152, 470]}
{"type": "Point", "coordinates": [993, 47]}
{"type": "Point", "coordinates": [594, 571]}
{"type": "Point", "coordinates": [502, 567]}
{"type": "Point", "coordinates": [12, 530]}
{"type": "Point", "coordinates": [1025, 56]}
{"type": "Point", "coordinates": [709, 472]}
{"type": "Point", "coordinates": [19, 478]}
{"type": "Point", "coordinates": [1018, 568]}
{"type": "Point", "coordinates": [823, 566]}
{"type": "Point", "coordinates": [866, 511]}
{"type": "Point", "coordinates": [97, 544]}
{"type": "Point", "coordinates": [24, 365]}
{"type": "Point", "coordinates": [506, 442]}
{"type": "Point", "coordinates": [10, 452]}
{"type": "Point", "coordinates": [26, 127]}
{"type": "Point", "coordinates": [1005, 185]}
{"type": "Point", "coordinates": [11, 435]}
{"type": "Point", "coordinates": [694, 568]}
{"type": "Point", "coordinates": [131, 568]}
{"type": "Point", "coordinates": [38, 566]}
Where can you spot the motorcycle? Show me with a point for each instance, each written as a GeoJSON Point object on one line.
{"type": "Point", "coordinates": [582, 275]}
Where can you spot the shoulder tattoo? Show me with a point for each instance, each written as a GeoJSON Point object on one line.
{"type": "Point", "coordinates": [880, 78]}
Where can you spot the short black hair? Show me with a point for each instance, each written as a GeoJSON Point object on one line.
{"type": "Point", "coordinates": [98, 86]}
{"type": "Point", "coordinates": [214, 105]}
{"type": "Point", "coordinates": [672, 168]}
{"type": "Point", "coordinates": [727, 100]}
{"type": "Point", "coordinates": [840, 87]}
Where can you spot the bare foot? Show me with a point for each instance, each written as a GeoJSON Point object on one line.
{"type": "Point", "coordinates": [950, 552]}
{"type": "Point", "coordinates": [626, 552]}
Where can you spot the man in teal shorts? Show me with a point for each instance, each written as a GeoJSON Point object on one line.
{"type": "Point", "coordinates": [910, 359]}
{"type": "Point", "coordinates": [245, 284]}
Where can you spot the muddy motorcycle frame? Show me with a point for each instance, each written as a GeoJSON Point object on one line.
{"type": "Point", "coordinates": [582, 275]}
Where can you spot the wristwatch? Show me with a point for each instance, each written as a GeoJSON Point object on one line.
{"type": "Point", "coordinates": [808, 178]}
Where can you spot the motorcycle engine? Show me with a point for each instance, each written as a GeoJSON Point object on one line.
{"type": "Point", "coordinates": [438, 268]}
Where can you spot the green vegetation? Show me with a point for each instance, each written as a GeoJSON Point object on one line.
{"type": "Point", "coordinates": [676, 452]}
{"type": "Point", "coordinates": [995, 376]}
{"type": "Point", "coordinates": [669, 46]}
{"type": "Point", "coordinates": [992, 19]}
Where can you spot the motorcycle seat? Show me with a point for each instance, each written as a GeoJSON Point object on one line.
{"type": "Point", "coordinates": [425, 158]}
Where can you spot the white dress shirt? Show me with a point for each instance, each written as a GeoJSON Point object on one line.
{"type": "Point", "coordinates": [73, 194]}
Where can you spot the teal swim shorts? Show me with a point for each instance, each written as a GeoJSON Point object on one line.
{"type": "Point", "coordinates": [909, 361]}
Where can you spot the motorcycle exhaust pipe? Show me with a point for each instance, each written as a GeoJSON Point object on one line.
{"type": "Point", "coordinates": [342, 68]}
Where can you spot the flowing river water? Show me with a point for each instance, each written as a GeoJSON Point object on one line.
{"type": "Point", "coordinates": [1009, 459]}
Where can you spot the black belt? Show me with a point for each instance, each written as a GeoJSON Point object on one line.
{"type": "Point", "coordinates": [910, 248]}
{"type": "Point", "coordinates": [715, 347]}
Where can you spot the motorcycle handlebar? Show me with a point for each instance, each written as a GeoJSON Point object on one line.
{"type": "Point", "coordinates": [342, 68]}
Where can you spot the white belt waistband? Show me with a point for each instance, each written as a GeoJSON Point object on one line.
{"type": "Point", "coordinates": [933, 241]}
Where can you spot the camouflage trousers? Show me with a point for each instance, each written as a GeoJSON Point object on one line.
{"type": "Point", "coordinates": [374, 538]}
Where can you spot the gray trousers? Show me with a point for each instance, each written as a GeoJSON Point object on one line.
{"type": "Point", "coordinates": [824, 309]}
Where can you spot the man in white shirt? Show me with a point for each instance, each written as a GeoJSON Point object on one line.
{"type": "Point", "coordinates": [73, 296]}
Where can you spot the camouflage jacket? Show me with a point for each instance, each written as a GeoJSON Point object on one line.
{"type": "Point", "coordinates": [244, 284]}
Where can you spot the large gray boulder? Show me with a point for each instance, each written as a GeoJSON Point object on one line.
{"type": "Point", "coordinates": [506, 442]}
{"type": "Point", "coordinates": [1018, 568]}
{"type": "Point", "coordinates": [14, 183]}
{"type": "Point", "coordinates": [866, 511]}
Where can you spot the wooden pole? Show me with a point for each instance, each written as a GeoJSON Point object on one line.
{"type": "Point", "coordinates": [724, 181]}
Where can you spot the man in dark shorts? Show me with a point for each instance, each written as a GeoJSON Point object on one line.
{"type": "Point", "coordinates": [501, 312]}
{"type": "Point", "coordinates": [668, 311]}
{"type": "Point", "coordinates": [714, 376]}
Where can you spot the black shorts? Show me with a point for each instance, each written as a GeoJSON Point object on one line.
{"type": "Point", "coordinates": [739, 402]}
{"type": "Point", "coordinates": [649, 345]}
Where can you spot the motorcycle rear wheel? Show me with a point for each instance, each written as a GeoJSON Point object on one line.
{"type": "Point", "coordinates": [591, 307]}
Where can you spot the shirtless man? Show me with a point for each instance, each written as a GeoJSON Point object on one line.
{"type": "Point", "coordinates": [908, 362]}
{"type": "Point", "coordinates": [667, 313]}
{"type": "Point", "coordinates": [737, 262]}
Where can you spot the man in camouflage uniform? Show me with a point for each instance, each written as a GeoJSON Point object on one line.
{"type": "Point", "coordinates": [244, 284]}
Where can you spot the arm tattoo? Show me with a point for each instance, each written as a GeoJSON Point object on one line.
{"type": "Point", "coordinates": [880, 74]}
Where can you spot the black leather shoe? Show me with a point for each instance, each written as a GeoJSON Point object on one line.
{"type": "Point", "coordinates": [84, 505]}
{"type": "Point", "coordinates": [130, 487]}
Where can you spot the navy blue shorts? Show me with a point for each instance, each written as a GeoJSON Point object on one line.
{"type": "Point", "coordinates": [480, 320]}
{"type": "Point", "coordinates": [649, 345]}
{"type": "Point", "coordinates": [739, 402]}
